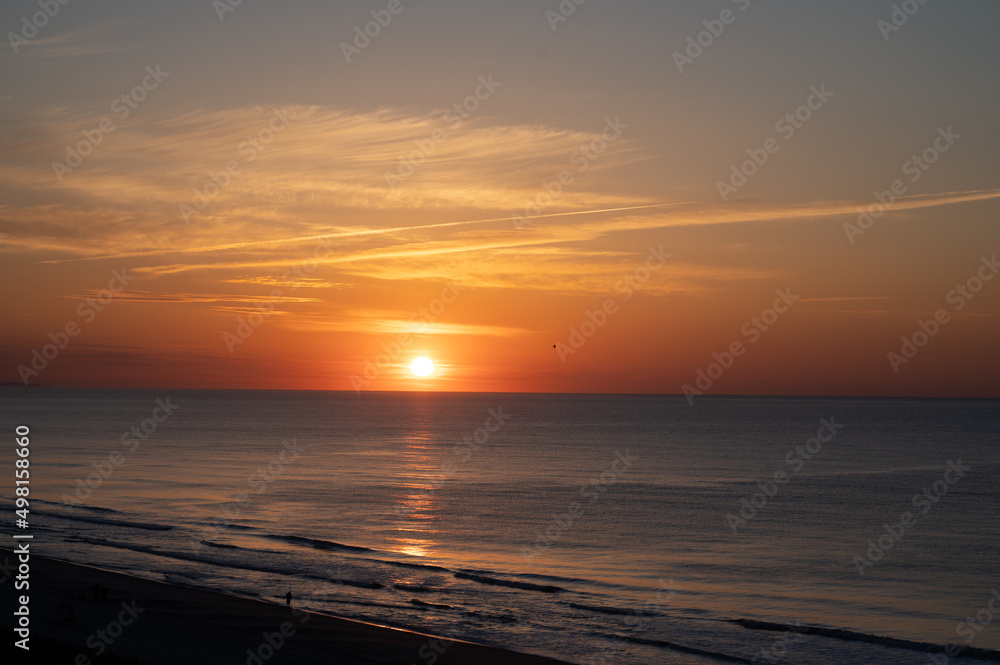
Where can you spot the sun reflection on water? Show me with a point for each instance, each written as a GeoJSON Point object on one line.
{"type": "Point", "coordinates": [418, 472]}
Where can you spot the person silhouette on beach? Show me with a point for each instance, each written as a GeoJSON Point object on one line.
{"type": "Point", "coordinates": [288, 599]}
{"type": "Point", "coordinates": [65, 613]}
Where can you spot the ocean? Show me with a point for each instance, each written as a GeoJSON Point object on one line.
{"type": "Point", "coordinates": [591, 528]}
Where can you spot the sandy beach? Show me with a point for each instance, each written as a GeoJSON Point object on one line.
{"type": "Point", "coordinates": [165, 624]}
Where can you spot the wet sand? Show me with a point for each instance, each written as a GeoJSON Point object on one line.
{"type": "Point", "coordinates": [173, 625]}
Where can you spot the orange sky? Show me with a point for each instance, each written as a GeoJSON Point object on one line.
{"type": "Point", "coordinates": [282, 216]}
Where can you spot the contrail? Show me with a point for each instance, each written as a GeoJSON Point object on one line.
{"type": "Point", "coordinates": [344, 234]}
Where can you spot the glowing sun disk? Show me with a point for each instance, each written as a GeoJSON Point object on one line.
{"type": "Point", "coordinates": [422, 366]}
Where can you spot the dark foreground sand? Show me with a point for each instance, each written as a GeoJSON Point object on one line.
{"type": "Point", "coordinates": [177, 625]}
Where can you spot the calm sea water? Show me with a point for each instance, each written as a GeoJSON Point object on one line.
{"type": "Point", "coordinates": [590, 528]}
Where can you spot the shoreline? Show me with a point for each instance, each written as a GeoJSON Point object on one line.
{"type": "Point", "coordinates": [162, 624]}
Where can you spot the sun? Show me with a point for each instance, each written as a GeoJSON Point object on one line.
{"type": "Point", "coordinates": [422, 366]}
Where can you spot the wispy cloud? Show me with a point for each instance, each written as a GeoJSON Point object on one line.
{"type": "Point", "coordinates": [390, 322]}
{"type": "Point", "coordinates": [79, 41]}
{"type": "Point", "coordinates": [249, 244]}
{"type": "Point", "coordinates": [846, 299]}
{"type": "Point", "coordinates": [324, 174]}
{"type": "Point", "coordinates": [323, 178]}
{"type": "Point", "coordinates": [146, 296]}
{"type": "Point", "coordinates": [298, 283]}
{"type": "Point", "coordinates": [544, 234]}
{"type": "Point", "coordinates": [685, 214]}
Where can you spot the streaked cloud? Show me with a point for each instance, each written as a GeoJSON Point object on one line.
{"type": "Point", "coordinates": [83, 40]}
{"type": "Point", "coordinates": [325, 159]}
{"type": "Point", "coordinates": [503, 249]}
{"type": "Point", "coordinates": [390, 322]}
{"type": "Point", "coordinates": [146, 296]}
{"type": "Point", "coordinates": [298, 283]}
{"type": "Point", "coordinates": [846, 299]}
{"type": "Point", "coordinates": [268, 242]}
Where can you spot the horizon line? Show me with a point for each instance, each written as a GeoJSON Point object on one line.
{"type": "Point", "coordinates": [507, 392]}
